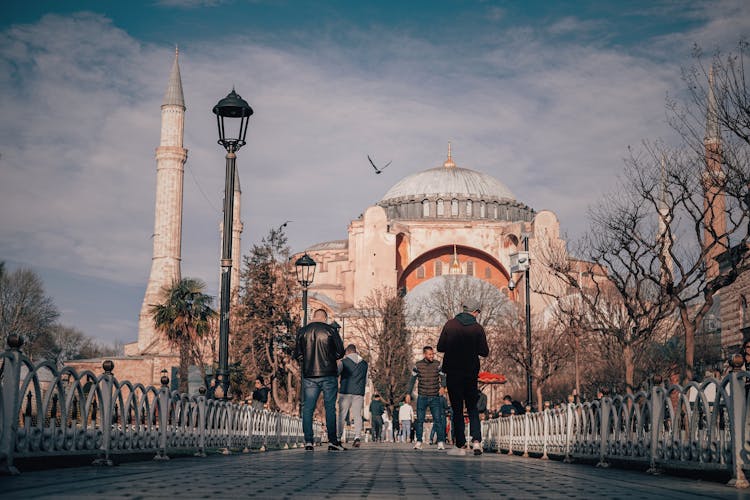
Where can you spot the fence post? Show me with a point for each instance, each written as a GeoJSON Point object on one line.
{"type": "Point", "coordinates": [106, 392]}
{"type": "Point", "coordinates": [546, 433]}
{"type": "Point", "coordinates": [568, 433]}
{"type": "Point", "coordinates": [526, 432]}
{"type": "Point", "coordinates": [201, 422]}
{"type": "Point", "coordinates": [737, 413]}
{"type": "Point", "coordinates": [513, 419]}
{"type": "Point", "coordinates": [163, 406]}
{"type": "Point", "coordinates": [604, 409]}
{"type": "Point", "coordinates": [657, 421]}
{"type": "Point", "coordinates": [11, 381]}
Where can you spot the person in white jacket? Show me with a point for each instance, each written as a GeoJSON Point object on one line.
{"type": "Point", "coordinates": [405, 416]}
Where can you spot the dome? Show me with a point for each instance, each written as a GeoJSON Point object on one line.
{"type": "Point", "coordinates": [451, 181]}
{"type": "Point", "coordinates": [450, 192]}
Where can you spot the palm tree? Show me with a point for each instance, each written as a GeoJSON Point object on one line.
{"type": "Point", "coordinates": [184, 317]}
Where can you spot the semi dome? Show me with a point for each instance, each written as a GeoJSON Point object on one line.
{"type": "Point", "coordinates": [453, 192]}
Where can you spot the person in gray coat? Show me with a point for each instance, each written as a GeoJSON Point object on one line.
{"type": "Point", "coordinates": [353, 376]}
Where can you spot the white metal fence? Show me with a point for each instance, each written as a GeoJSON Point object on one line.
{"type": "Point", "coordinates": [699, 426]}
{"type": "Point", "coordinates": [46, 412]}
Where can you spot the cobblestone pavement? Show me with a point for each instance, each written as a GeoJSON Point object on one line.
{"type": "Point", "coordinates": [373, 471]}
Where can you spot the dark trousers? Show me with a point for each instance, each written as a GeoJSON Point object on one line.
{"type": "Point", "coordinates": [462, 388]}
{"type": "Point", "coordinates": [377, 427]}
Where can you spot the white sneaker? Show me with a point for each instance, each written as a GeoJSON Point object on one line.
{"type": "Point", "coordinates": [458, 452]}
{"type": "Point", "coordinates": [441, 445]}
{"type": "Point", "coordinates": [418, 446]}
{"type": "Point", "coordinates": [477, 447]}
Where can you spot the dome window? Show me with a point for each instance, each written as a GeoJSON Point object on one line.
{"type": "Point", "coordinates": [425, 208]}
{"type": "Point", "coordinates": [454, 207]}
{"type": "Point", "coordinates": [440, 208]}
{"type": "Point", "coordinates": [468, 208]}
{"type": "Point", "coordinates": [482, 209]}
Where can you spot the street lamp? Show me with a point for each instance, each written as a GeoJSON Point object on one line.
{"type": "Point", "coordinates": [231, 107]}
{"type": "Point", "coordinates": [305, 266]}
{"type": "Point", "coordinates": [520, 262]}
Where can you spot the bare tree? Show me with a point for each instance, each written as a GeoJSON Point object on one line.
{"type": "Point", "coordinates": [24, 308]}
{"type": "Point", "coordinates": [381, 323]}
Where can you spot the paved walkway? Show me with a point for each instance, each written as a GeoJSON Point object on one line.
{"type": "Point", "coordinates": [374, 471]}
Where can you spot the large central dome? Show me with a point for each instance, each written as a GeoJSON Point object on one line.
{"type": "Point", "coordinates": [450, 182]}
{"type": "Point", "coordinates": [453, 192]}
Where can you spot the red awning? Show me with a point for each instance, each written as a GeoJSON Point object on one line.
{"type": "Point", "coordinates": [491, 378]}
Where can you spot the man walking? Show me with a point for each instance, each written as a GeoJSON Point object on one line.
{"type": "Point", "coordinates": [376, 417]}
{"type": "Point", "coordinates": [462, 340]}
{"type": "Point", "coordinates": [318, 348]}
{"type": "Point", "coordinates": [352, 391]}
{"type": "Point", "coordinates": [427, 371]}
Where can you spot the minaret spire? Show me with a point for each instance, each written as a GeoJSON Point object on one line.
{"type": "Point", "coordinates": [712, 113]}
{"type": "Point", "coordinates": [173, 96]}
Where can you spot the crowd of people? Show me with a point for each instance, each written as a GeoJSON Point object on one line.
{"type": "Point", "coordinates": [329, 368]}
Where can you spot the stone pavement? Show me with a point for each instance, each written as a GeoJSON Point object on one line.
{"type": "Point", "coordinates": [381, 470]}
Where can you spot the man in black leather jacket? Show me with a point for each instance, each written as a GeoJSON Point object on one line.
{"type": "Point", "coordinates": [319, 346]}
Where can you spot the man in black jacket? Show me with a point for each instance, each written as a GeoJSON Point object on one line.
{"type": "Point", "coordinates": [462, 341]}
{"type": "Point", "coordinates": [319, 346]}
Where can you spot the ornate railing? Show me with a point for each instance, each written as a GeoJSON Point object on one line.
{"type": "Point", "coordinates": [45, 411]}
{"type": "Point", "coordinates": [699, 426]}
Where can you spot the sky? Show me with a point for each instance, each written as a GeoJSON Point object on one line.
{"type": "Point", "coordinates": [545, 96]}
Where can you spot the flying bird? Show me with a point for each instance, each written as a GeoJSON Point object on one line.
{"type": "Point", "coordinates": [378, 170]}
{"type": "Point", "coordinates": [284, 224]}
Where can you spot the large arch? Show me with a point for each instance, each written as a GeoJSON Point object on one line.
{"type": "Point", "coordinates": [485, 266]}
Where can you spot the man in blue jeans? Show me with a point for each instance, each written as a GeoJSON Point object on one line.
{"type": "Point", "coordinates": [319, 347]}
{"type": "Point", "coordinates": [427, 371]}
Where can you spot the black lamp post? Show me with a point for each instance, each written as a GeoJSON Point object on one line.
{"type": "Point", "coordinates": [305, 266]}
{"type": "Point", "coordinates": [232, 106]}
{"type": "Point", "coordinates": [523, 264]}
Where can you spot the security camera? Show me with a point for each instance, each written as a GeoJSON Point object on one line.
{"type": "Point", "coordinates": [512, 284]}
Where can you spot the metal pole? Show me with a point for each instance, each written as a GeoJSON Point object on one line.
{"type": "Point", "coordinates": [304, 305]}
{"type": "Point", "coordinates": [221, 391]}
{"type": "Point", "coordinates": [529, 397]}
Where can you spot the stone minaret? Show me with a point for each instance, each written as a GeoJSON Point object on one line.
{"type": "Point", "coordinates": [714, 203]}
{"type": "Point", "coordinates": [170, 169]}
{"type": "Point", "coordinates": [236, 240]}
{"type": "Point", "coordinates": [665, 234]}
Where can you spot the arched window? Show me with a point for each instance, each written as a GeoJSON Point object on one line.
{"type": "Point", "coordinates": [468, 208]}
{"type": "Point", "coordinates": [425, 208]}
{"type": "Point", "coordinates": [440, 208]}
{"type": "Point", "coordinates": [470, 268]}
{"type": "Point", "coordinates": [744, 319]}
{"type": "Point", "coordinates": [420, 272]}
{"type": "Point", "coordinates": [482, 210]}
{"type": "Point", "coordinates": [488, 272]}
{"type": "Point", "coordinates": [494, 210]}
{"type": "Point", "coordinates": [438, 268]}
{"type": "Point", "coordinates": [454, 207]}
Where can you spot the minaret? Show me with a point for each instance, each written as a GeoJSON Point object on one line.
{"type": "Point", "coordinates": [665, 235]}
{"type": "Point", "coordinates": [455, 263]}
{"type": "Point", "coordinates": [236, 240]}
{"type": "Point", "coordinates": [170, 169]}
{"type": "Point", "coordinates": [714, 203]}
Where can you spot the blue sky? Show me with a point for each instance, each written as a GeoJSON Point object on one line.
{"type": "Point", "coordinates": [545, 96]}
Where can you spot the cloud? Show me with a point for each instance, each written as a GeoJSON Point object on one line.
{"type": "Point", "coordinates": [81, 115]}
